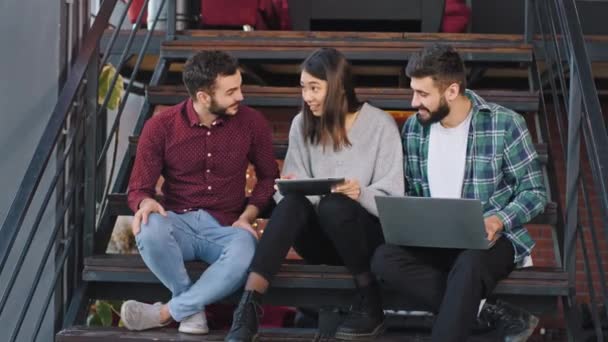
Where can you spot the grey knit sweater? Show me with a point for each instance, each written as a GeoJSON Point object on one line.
{"type": "Point", "coordinates": [375, 157]}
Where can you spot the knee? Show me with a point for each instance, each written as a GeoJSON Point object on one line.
{"type": "Point", "coordinates": [241, 250]}
{"type": "Point", "coordinates": [468, 263]}
{"type": "Point", "coordinates": [292, 205]}
{"type": "Point", "coordinates": [334, 207]}
{"type": "Point", "coordinates": [154, 233]}
{"type": "Point", "coordinates": [334, 203]}
{"type": "Point", "coordinates": [237, 258]}
{"type": "Point", "coordinates": [293, 199]}
{"type": "Point", "coordinates": [381, 262]}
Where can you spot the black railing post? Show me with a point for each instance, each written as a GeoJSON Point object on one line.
{"type": "Point", "coordinates": [171, 19]}
{"type": "Point", "coordinates": [529, 27]}
{"type": "Point", "coordinates": [90, 159]}
{"type": "Point", "coordinates": [59, 204]}
{"type": "Point", "coordinates": [529, 31]}
{"type": "Point", "coordinates": [572, 182]}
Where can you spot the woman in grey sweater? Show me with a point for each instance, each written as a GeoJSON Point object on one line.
{"type": "Point", "coordinates": [333, 136]}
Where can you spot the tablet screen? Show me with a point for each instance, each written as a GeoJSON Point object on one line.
{"type": "Point", "coordinates": [308, 187]}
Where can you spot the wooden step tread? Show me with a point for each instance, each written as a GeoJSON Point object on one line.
{"type": "Point", "coordinates": [103, 334]}
{"type": "Point", "coordinates": [131, 269]}
{"type": "Point", "coordinates": [351, 35]}
{"type": "Point", "coordinates": [385, 98]}
{"type": "Point", "coordinates": [347, 35]}
{"type": "Point", "coordinates": [395, 47]}
{"type": "Point", "coordinates": [276, 38]}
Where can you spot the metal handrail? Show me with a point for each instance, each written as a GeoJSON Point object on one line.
{"type": "Point", "coordinates": [33, 174]}
{"type": "Point", "coordinates": [577, 103]}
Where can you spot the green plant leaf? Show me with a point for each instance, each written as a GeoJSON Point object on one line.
{"type": "Point", "coordinates": [93, 320]}
{"type": "Point", "coordinates": [115, 304]}
{"type": "Point", "coordinates": [104, 311]}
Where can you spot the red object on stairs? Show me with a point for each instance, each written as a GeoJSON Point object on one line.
{"type": "Point", "coordinates": [456, 16]}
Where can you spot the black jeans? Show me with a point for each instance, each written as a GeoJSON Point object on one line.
{"type": "Point", "coordinates": [449, 282]}
{"type": "Point", "coordinates": [342, 233]}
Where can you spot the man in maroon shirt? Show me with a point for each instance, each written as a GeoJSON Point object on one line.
{"type": "Point", "coordinates": [202, 148]}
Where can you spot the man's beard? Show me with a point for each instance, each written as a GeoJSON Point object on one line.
{"type": "Point", "coordinates": [442, 111]}
{"type": "Point", "coordinates": [218, 110]}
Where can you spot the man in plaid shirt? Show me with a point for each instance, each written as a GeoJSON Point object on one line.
{"type": "Point", "coordinates": [460, 146]}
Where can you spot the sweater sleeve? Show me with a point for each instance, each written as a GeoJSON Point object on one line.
{"type": "Point", "coordinates": [387, 179]}
{"type": "Point", "coordinates": [297, 160]}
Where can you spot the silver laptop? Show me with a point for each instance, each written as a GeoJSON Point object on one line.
{"type": "Point", "coordinates": [432, 222]}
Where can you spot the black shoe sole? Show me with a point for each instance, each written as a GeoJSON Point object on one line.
{"type": "Point", "coordinates": [255, 338]}
{"type": "Point", "coordinates": [352, 336]}
{"type": "Point", "coordinates": [524, 335]}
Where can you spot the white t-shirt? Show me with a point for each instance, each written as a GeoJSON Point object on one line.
{"type": "Point", "coordinates": [446, 160]}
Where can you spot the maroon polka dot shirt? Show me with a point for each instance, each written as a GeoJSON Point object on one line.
{"type": "Point", "coordinates": [204, 167]}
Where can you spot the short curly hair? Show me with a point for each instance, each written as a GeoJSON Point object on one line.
{"type": "Point", "coordinates": [440, 62]}
{"type": "Point", "coordinates": [202, 69]}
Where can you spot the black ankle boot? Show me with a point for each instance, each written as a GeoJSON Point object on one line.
{"type": "Point", "coordinates": [365, 319]}
{"type": "Point", "coordinates": [514, 323]}
{"type": "Point", "coordinates": [246, 319]}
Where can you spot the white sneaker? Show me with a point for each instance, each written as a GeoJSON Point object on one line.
{"type": "Point", "coordinates": [141, 316]}
{"type": "Point", "coordinates": [195, 324]}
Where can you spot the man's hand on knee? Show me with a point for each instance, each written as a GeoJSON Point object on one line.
{"type": "Point", "coordinates": [244, 224]}
{"type": "Point", "coordinates": [146, 207]}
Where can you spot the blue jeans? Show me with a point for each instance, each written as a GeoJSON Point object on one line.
{"type": "Point", "coordinates": [166, 242]}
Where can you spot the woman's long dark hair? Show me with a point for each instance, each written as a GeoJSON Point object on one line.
{"type": "Point", "coordinates": [328, 64]}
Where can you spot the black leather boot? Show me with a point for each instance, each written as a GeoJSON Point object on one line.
{"type": "Point", "coordinates": [365, 319]}
{"type": "Point", "coordinates": [246, 319]}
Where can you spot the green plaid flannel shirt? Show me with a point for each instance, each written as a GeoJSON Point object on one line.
{"type": "Point", "coordinates": [501, 168]}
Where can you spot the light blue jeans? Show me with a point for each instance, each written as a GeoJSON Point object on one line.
{"type": "Point", "coordinates": [166, 242]}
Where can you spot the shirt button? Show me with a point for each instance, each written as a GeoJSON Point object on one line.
{"type": "Point", "coordinates": [208, 133]}
{"type": "Point", "coordinates": [208, 154]}
{"type": "Point", "coordinates": [208, 170]}
{"type": "Point", "coordinates": [200, 125]}
{"type": "Point", "coordinates": [209, 187]}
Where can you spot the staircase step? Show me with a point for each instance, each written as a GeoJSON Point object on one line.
{"type": "Point", "coordinates": [103, 334]}
{"type": "Point", "coordinates": [295, 284]}
{"type": "Point", "coordinates": [386, 98]}
{"type": "Point", "coordinates": [356, 46]}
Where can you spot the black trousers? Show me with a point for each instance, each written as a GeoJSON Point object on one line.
{"type": "Point", "coordinates": [342, 233]}
{"type": "Point", "coordinates": [448, 282]}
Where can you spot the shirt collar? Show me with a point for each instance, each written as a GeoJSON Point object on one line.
{"type": "Point", "coordinates": [479, 104]}
{"type": "Point", "coordinates": [193, 115]}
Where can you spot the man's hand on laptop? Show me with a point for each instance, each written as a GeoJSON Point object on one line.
{"type": "Point", "coordinates": [350, 188]}
{"type": "Point", "coordinates": [494, 228]}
